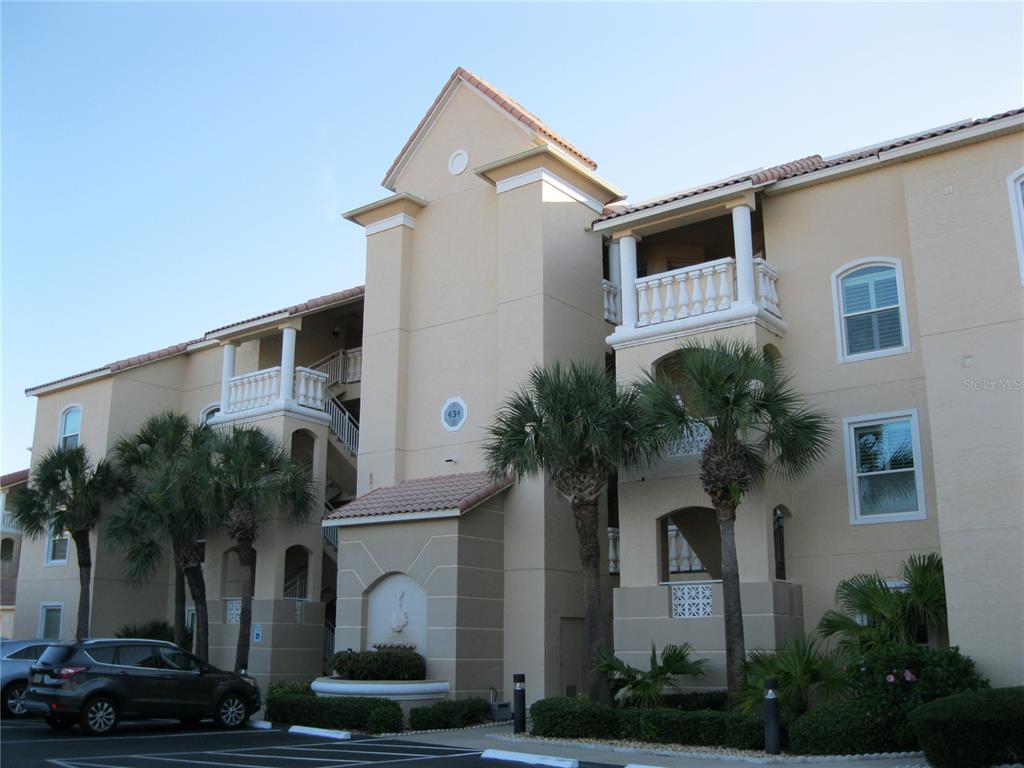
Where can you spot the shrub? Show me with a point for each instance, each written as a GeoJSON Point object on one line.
{"type": "Point", "coordinates": [388, 664]}
{"type": "Point", "coordinates": [972, 730]}
{"type": "Point", "coordinates": [385, 719]}
{"type": "Point", "coordinates": [157, 629]}
{"type": "Point", "coordinates": [336, 712]}
{"type": "Point", "coordinates": [449, 714]}
{"type": "Point", "coordinates": [292, 687]}
{"type": "Point", "coordinates": [637, 688]}
{"type": "Point", "coordinates": [843, 727]}
{"type": "Point", "coordinates": [745, 731]}
{"type": "Point", "coordinates": [573, 718]}
{"type": "Point", "coordinates": [899, 678]}
{"type": "Point", "coordinates": [717, 700]}
{"type": "Point", "coordinates": [805, 674]}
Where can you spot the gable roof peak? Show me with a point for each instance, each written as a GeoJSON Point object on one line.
{"type": "Point", "coordinates": [513, 108]}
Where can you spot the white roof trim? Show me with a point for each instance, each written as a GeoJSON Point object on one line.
{"type": "Point", "coordinates": [398, 517]}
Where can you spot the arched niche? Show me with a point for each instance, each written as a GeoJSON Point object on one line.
{"type": "Point", "coordinates": [396, 613]}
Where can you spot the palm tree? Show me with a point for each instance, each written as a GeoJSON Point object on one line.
{"type": "Point", "coordinates": [804, 673]}
{"type": "Point", "coordinates": [169, 503]}
{"type": "Point", "coordinates": [575, 425]}
{"type": "Point", "coordinates": [255, 479]}
{"type": "Point", "coordinates": [636, 688]}
{"type": "Point", "coordinates": [67, 492]}
{"type": "Point", "coordinates": [755, 421]}
{"type": "Point", "coordinates": [873, 611]}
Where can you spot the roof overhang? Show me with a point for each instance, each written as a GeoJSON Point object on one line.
{"type": "Point", "coordinates": [564, 167]}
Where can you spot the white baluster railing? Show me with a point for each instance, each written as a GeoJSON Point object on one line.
{"type": "Point", "coordinates": [352, 370]}
{"type": "Point", "coordinates": [254, 390]}
{"type": "Point", "coordinates": [613, 550]}
{"type": "Point", "coordinates": [765, 281]}
{"type": "Point", "coordinates": [697, 290]}
{"type": "Point", "coordinates": [295, 587]}
{"type": "Point", "coordinates": [344, 427]}
{"type": "Point", "coordinates": [333, 365]}
{"type": "Point", "coordinates": [681, 558]}
{"type": "Point", "coordinates": [612, 303]}
{"type": "Point", "coordinates": [310, 388]}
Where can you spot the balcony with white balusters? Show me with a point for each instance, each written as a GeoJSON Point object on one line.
{"type": "Point", "coordinates": [673, 280]}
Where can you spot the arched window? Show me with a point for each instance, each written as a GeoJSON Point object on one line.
{"type": "Point", "coordinates": [7, 550]}
{"type": "Point", "coordinates": [70, 428]}
{"type": "Point", "coordinates": [871, 310]}
{"type": "Point", "coordinates": [1015, 186]}
{"type": "Point", "coordinates": [208, 413]}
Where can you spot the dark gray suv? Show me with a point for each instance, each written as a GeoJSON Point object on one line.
{"type": "Point", "coordinates": [97, 683]}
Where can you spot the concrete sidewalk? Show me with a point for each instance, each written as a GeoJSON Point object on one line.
{"type": "Point", "coordinates": [501, 737]}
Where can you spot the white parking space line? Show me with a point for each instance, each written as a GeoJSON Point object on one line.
{"type": "Point", "coordinates": [119, 737]}
{"type": "Point", "coordinates": [209, 762]}
{"type": "Point", "coordinates": [282, 757]}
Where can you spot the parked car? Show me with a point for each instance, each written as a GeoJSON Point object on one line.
{"type": "Point", "coordinates": [97, 683]}
{"type": "Point", "coordinates": [16, 659]}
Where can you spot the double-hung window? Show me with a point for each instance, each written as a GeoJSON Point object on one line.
{"type": "Point", "coordinates": [57, 545]}
{"type": "Point", "coordinates": [51, 620]}
{"type": "Point", "coordinates": [871, 310]}
{"type": "Point", "coordinates": [70, 428]}
{"type": "Point", "coordinates": [883, 468]}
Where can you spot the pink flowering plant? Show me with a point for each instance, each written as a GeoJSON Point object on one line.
{"type": "Point", "coordinates": [898, 678]}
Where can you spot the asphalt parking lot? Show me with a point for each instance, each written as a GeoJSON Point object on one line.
{"type": "Point", "coordinates": [159, 744]}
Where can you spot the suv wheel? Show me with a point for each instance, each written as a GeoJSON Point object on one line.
{"type": "Point", "coordinates": [99, 716]}
{"type": "Point", "coordinates": [232, 711]}
{"type": "Point", "coordinates": [13, 704]}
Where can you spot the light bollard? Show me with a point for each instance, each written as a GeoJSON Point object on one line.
{"type": "Point", "coordinates": [519, 703]}
{"type": "Point", "coordinates": [772, 730]}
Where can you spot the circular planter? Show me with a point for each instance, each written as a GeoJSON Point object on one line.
{"type": "Point", "coordinates": [396, 690]}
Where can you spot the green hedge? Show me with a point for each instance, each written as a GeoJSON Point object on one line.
{"type": "Point", "coordinates": [972, 730]}
{"type": "Point", "coordinates": [844, 727]}
{"type": "Point", "coordinates": [335, 712]}
{"type": "Point", "coordinates": [388, 664]}
{"type": "Point", "coordinates": [717, 700]}
{"type": "Point", "coordinates": [449, 714]}
{"type": "Point", "coordinates": [575, 718]}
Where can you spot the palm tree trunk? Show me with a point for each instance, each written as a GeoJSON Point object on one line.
{"type": "Point", "coordinates": [593, 617]}
{"type": "Point", "coordinates": [247, 561]}
{"type": "Point", "coordinates": [197, 586]}
{"type": "Point", "coordinates": [179, 607]}
{"type": "Point", "coordinates": [732, 609]}
{"type": "Point", "coordinates": [84, 552]}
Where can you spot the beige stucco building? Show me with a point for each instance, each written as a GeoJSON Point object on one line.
{"type": "Point", "coordinates": [889, 280]}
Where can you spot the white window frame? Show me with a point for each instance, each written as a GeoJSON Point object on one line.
{"type": "Point", "coordinates": [42, 619]}
{"type": "Point", "coordinates": [49, 562]}
{"type": "Point", "coordinates": [837, 306]}
{"type": "Point", "coordinates": [63, 417]}
{"type": "Point", "coordinates": [852, 487]}
{"type": "Point", "coordinates": [1013, 186]}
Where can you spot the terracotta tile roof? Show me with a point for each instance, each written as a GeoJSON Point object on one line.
{"type": "Point", "coordinates": [14, 478]}
{"type": "Point", "coordinates": [806, 165]}
{"type": "Point", "coordinates": [426, 494]}
{"type": "Point", "coordinates": [319, 301]}
{"type": "Point", "coordinates": [508, 104]}
{"type": "Point", "coordinates": [8, 591]}
{"type": "Point", "coordinates": [177, 349]}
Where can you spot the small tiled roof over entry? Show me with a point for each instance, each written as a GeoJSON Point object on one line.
{"type": "Point", "coordinates": [443, 493]}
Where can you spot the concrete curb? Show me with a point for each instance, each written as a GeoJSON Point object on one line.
{"type": "Point", "coordinates": [325, 732]}
{"type": "Point", "coordinates": [260, 725]}
{"type": "Point", "coordinates": [527, 758]}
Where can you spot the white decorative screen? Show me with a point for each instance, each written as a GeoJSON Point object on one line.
{"type": "Point", "coordinates": [232, 611]}
{"type": "Point", "coordinates": [691, 601]}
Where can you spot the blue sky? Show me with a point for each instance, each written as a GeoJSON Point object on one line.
{"type": "Point", "coordinates": [168, 168]}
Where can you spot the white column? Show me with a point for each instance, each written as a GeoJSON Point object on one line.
{"type": "Point", "coordinates": [614, 268]}
{"type": "Point", "coordinates": [288, 364]}
{"type": "Point", "coordinates": [744, 243]}
{"type": "Point", "coordinates": [227, 372]}
{"type": "Point", "coordinates": [627, 273]}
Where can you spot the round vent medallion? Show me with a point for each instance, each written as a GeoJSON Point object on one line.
{"type": "Point", "coordinates": [458, 162]}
